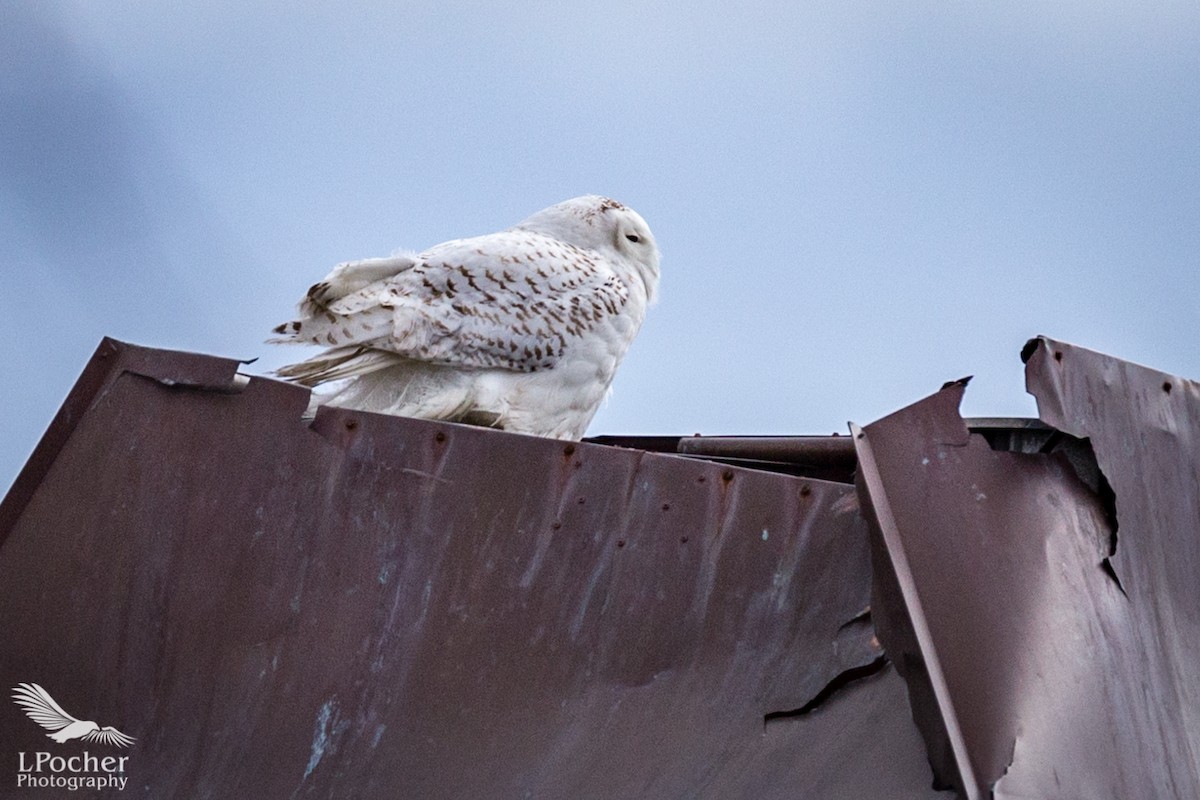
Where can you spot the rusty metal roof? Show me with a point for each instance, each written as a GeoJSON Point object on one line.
{"type": "Point", "coordinates": [369, 606]}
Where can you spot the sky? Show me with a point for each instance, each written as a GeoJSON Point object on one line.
{"type": "Point", "coordinates": [854, 202]}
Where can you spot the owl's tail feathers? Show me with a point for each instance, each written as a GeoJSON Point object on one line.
{"type": "Point", "coordinates": [385, 383]}
{"type": "Point", "coordinates": [337, 364]}
{"type": "Point", "coordinates": [408, 389]}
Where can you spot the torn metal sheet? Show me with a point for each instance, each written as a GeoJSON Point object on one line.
{"type": "Point", "coordinates": [1144, 427]}
{"type": "Point", "coordinates": [1025, 661]}
{"type": "Point", "coordinates": [370, 606]}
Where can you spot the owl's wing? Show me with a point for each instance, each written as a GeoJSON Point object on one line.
{"type": "Point", "coordinates": [513, 300]}
{"type": "Point", "coordinates": [40, 707]}
{"type": "Point", "coordinates": [352, 276]}
{"type": "Point", "coordinates": [108, 735]}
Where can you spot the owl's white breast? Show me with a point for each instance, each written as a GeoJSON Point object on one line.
{"type": "Point", "coordinates": [561, 402]}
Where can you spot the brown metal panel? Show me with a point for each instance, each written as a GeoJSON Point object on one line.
{"type": "Point", "coordinates": [1026, 662]}
{"type": "Point", "coordinates": [185, 368]}
{"type": "Point", "coordinates": [368, 606]}
{"type": "Point", "coordinates": [1144, 426]}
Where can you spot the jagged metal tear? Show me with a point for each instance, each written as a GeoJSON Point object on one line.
{"type": "Point", "coordinates": [1030, 672]}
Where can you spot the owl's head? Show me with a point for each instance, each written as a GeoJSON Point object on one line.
{"type": "Point", "coordinates": [592, 222]}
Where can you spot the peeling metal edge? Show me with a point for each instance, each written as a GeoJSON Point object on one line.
{"type": "Point", "coordinates": [111, 359]}
{"type": "Point", "coordinates": [886, 522]}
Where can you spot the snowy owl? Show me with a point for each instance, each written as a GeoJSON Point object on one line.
{"type": "Point", "coordinates": [520, 330]}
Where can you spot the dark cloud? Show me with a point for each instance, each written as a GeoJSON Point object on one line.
{"type": "Point", "coordinates": [102, 234]}
{"type": "Point", "coordinates": [68, 152]}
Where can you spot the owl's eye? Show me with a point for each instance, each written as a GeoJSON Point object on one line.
{"type": "Point", "coordinates": [633, 237]}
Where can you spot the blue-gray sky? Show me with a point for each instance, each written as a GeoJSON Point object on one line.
{"type": "Point", "coordinates": [855, 202]}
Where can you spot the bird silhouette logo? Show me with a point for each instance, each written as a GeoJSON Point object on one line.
{"type": "Point", "coordinates": [40, 707]}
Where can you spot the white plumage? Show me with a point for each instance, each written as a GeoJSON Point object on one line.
{"type": "Point", "coordinates": [520, 330]}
